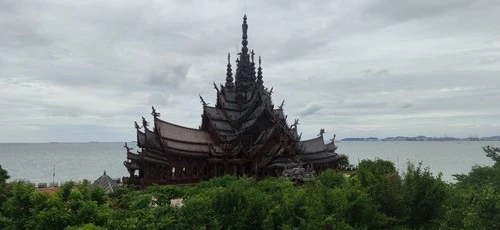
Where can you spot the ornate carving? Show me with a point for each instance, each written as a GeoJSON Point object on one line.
{"type": "Point", "coordinates": [137, 126]}
{"type": "Point", "coordinates": [321, 132]}
{"type": "Point", "coordinates": [295, 123]}
{"type": "Point", "coordinates": [145, 124]}
{"type": "Point", "coordinates": [215, 87]}
{"type": "Point", "coordinates": [203, 101]}
{"type": "Point", "coordinates": [154, 113]}
{"type": "Point", "coordinates": [333, 139]}
{"type": "Point", "coordinates": [282, 104]}
{"type": "Point", "coordinates": [126, 147]}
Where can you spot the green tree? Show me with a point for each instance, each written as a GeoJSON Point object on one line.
{"type": "Point", "coordinates": [98, 195]}
{"type": "Point", "coordinates": [16, 209]}
{"type": "Point", "coordinates": [493, 153]}
{"type": "Point", "coordinates": [424, 195]}
{"type": "Point", "coordinates": [4, 176]}
{"type": "Point", "coordinates": [483, 176]}
{"type": "Point", "coordinates": [332, 179]}
{"type": "Point", "coordinates": [85, 227]}
{"type": "Point", "coordinates": [121, 197]}
{"type": "Point", "coordinates": [475, 199]}
{"type": "Point", "coordinates": [65, 190]}
{"type": "Point", "coordinates": [47, 212]}
{"type": "Point", "coordinates": [381, 181]}
{"type": "Point", "coordinates": [344, 160]}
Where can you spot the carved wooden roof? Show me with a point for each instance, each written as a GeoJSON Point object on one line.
{"type": "Point", "coordinates": [152, 140]}
{"type": "Point", "coordinates": [331, 147]}
{"type": "Point", "coordinates": [141, 139]}
{"type": "Point", "coordinates": [183, 146]}
{"type": "Point", "coordinates": [183, 134]}
{"type": "Point", "coordinates": [217, 114]}
{"type": "Point", "coordinates": [313, 145]}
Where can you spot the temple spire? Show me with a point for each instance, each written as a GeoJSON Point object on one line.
{"type": "Point", "coordinates": [229, 74]}
{"type": "Point", "coordinates": [243, 78]}
{"type": "Point", "coordinates": [259, 73]}
{"type": "Point", "coordinates": [244, 27]}
{"type": "Point", "coordinates": [252, 67]}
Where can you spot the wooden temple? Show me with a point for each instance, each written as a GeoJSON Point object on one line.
{"type": "Point", "coordinates": [243, 134]}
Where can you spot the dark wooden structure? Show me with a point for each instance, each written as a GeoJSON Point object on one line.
{"type": "Point", "coordinates": [243, 134]}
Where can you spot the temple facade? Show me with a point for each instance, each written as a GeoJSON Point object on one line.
{"type": "Point", "coordinates": [243, 134]}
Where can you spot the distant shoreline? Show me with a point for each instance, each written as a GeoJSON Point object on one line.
{"type": "Point", "coordinates": [422, 138]}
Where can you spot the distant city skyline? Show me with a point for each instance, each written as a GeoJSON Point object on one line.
{"type": "Point", "coordinates": [78, 71]}
{"type": "Point", "coordinates": [423, 138]}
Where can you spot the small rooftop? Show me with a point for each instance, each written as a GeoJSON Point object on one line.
{"type": "Point", "coordinates": [106, 182]}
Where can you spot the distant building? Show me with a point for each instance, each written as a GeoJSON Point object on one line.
{"type": "Point", "coordinates": [242, 134]}
{"type": "Point", "coordinates": [106, 182]}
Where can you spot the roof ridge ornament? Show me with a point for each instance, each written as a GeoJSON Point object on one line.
{"type": "Point", "coordinates": [282, 104]}
{"type": "Point", "coordinates": [145, 124]}
{"type": "Point", "coordinates": [128, 149]}
{"type": "Point", "coordinates": [216, 88]}
{"type": "Point", "coordinates": [295, 123]}
{"type": "Point", "coordinates": [137, 126]}
{"type": "Point", "coordinates": [203, 101]}
{"type": "Point", "coordinates": [154, 113]}
{"type": "Point", "coordinates": [333, 139]}
{"type": "Point", "coordinates": [321, 132]}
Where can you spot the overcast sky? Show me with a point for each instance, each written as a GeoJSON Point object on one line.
{"type": "Point", "coordinates": [86, 70]}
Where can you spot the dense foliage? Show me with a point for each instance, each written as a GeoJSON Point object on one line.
{"type": "Point", "coordinates": [375, 197]}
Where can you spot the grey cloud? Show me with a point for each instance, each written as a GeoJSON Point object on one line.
{"type": "Point", "coordinates": [375, 72]}
{"type": "Point", "coordinates": [404, 10]}
{"type": "Point", "coordinates": [310, 109]}
{"type": "Point", "coordinates": [406, 105]}
{"type": "Point", "coordinates": [19, 25]}
{"type": "Point", "coordinates": [168, 75]}
{"type": "Point", "coordinates": [160, 98]}
{"type": "Point", "coordinates": [382, 72]}
{"type": "Point", "coordinates": [108, 62]}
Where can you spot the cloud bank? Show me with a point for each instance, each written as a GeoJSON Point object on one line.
{"type": "Point", "coordinates": [86, 70]}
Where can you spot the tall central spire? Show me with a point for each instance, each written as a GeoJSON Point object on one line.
{"type": "Point", "coordinates": [244, 37]}
{"type": "Point", "coordinates": [243, 77]}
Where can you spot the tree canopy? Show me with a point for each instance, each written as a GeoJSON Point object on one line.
{"type": "Point", "coordinates": [376, 196]}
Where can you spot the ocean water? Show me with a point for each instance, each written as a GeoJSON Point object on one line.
{"type": "Point", "coordinates": [447, 157]}
{"type": "Point", "coordinates": [72, 161]}
{"type": "Point", "coordinates": [77, 161]}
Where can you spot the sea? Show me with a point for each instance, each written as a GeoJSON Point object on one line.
{"type": "Point", "coordinates": [61, 162]}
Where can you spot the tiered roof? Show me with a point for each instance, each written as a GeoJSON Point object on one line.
{"type": "Point", "coordinates": [314, 151]}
